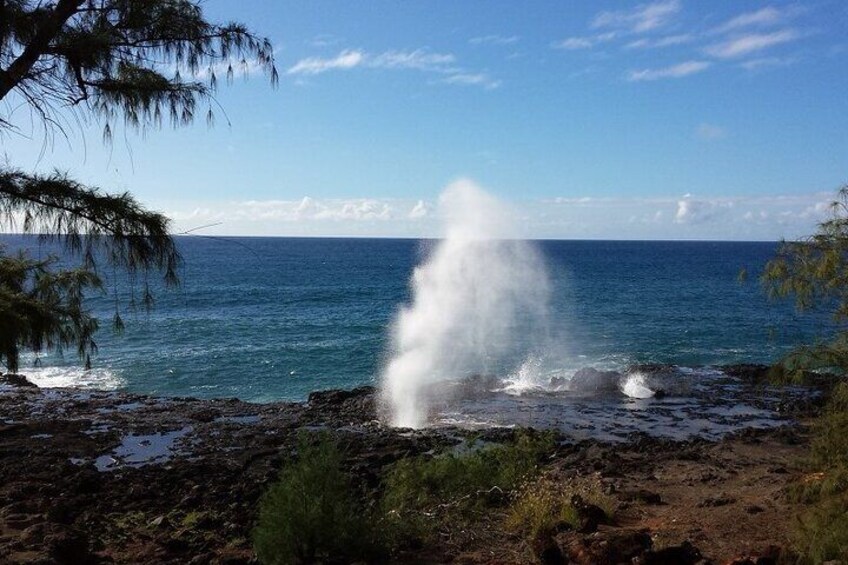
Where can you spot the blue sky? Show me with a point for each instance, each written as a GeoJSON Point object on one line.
{"type": "Point", "coordinates": [671, 119]}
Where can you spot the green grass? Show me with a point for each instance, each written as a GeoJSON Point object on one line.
{"type": "Point", "coordinates": [544, 505]}
{"type": "Point", "coordinates": [312, 514]}
{"type": "Point", "coordinates": [423, 495]}
{"type": "Point", "coordinates": [821, 532]}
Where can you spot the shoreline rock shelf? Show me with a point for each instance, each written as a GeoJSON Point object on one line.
{"type": "Point", "coordinates": [101, 477]}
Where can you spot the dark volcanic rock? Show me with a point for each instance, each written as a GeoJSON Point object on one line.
{"type": "Point", "coordinates": [605, 547]}
{"type": "Point", "coordinates": [683, 554]}
{"type": "Point", "coordinates": [16, 380]}
{"type": "Point", "coordinates": [77, 487]}
{"type": "Point", "coordinates": [716, 501]}
{"type": "Point", "coordinates": [475, 386]}
{"type": "Point", "coordinates": [588, 379]}
{"type": "Point", "coordinates": [751, 372]}
{"type": "Point", "coordinates": [653, 369]}
{"type": "Point", "coordinates": [344, 406]}
{"type": "Point", "coordinates": [547, 551]}
{"type": "Point", "coordinates": [589, 515]}
{"type": "Point", "coordinates": [66, 545]}
{"type": "Point", "coordinates": [642, 495]}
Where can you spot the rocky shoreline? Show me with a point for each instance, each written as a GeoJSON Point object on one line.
{"type": "Point", "coordinates": [112, 477]}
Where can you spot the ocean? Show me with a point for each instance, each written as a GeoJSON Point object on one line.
{"type": "Point", "coordinates": [275, 318]}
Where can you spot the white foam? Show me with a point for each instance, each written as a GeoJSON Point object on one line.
{"type": "Point", "coordinates": [635, 386]}
{"type": "Point", "coordinates": [99, 378]}
{"type": "Point", "coordinates": [527, 378]}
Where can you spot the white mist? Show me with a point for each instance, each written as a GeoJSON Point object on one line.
{"type": "Point", "coordinates": [479, 302]}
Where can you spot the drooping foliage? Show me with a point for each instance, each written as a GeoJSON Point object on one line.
{"type": "Point", "coordinates": [814, 272]}
{"type": "Point", "coordinates": [138, 61]}
{"type": "Point", "coordinates": [43, 309]}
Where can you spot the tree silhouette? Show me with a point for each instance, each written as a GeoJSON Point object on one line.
{"type": "Point", "coordinates": [140, 62]}
{"type": "Point", "coordinates": [814, 272]}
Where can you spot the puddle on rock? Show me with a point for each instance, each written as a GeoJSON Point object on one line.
{"type": "Point", "coordinates": [139, 450]}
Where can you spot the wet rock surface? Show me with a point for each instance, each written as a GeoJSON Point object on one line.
{"type": "Point", "coordinates": [661, 400]}
{"type": "Point", "coordinates": [108, 477]}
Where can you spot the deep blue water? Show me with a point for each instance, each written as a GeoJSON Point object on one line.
{"type": "Point", "coordinates": [275, 318]}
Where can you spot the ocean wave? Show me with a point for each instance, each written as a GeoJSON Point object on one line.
{"type": "Point", "coordinates": [634, 386]}
{"type": "Point", "coordinates": [99, 378]}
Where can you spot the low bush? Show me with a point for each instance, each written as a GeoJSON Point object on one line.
{"type": "Point", "coordinates": [830, 441]}
{"type": "Point", "coordinates": [545, 505]}
{"type": "Point", "coordinates": [311, 513]}
{"type": "Point", "coordinates": [821, 532]}
{"type": "Point", "coordinates": [424, 494]}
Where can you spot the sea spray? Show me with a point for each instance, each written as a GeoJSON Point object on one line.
{"type": "Point", "coordinates": [635, 385]}
{"type": "Point", "coordinates": [479, 305]}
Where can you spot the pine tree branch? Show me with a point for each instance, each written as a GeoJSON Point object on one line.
{"type": "Point", "coordinates": [47, 32]}
{"type": "Point", "coordinates": [57, 207]}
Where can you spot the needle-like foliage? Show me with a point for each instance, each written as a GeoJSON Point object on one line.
{"type": "Point", "coordinates": [814, 271]}
{"type": "Point", "coordinates": [141, 62]}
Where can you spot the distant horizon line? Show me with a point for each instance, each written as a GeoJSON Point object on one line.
{"type": "Point", "coordinates": [413, 238]}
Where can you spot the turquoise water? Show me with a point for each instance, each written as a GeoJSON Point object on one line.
{"type": "Point", "coordinates": [276, 318]}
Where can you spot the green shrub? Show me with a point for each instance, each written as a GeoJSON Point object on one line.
{"type": "Point", "coordinates": [544, 505]}
{"type": "Point", "coordinates": [541, 507]}
{"type": "Point", "coordinates": [821, 532]}
{"type": "Point", "coordinates": [423, 494]}
{"type": "Point", "coordinates": [311, 512]}
{"type": "Point", "coordinates": [830, 441]}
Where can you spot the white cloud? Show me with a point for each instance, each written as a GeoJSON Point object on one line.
{"type": "Point", "coordinates": [641, 19]}
{"type": "Point", "coordinates": [308, 216]}
{"type": "Point", "coordinates": [675, 71]}
{"type": "Point", "coordinates": [422, 60]}
{"type": "Point", "coordinates": [472, 79]}
{"type": "Point", "coordinates": [358, 210]}
{"type": "Point", "coordinates": [692, 211]}
{"type": "Point", "coordinates": [667, 41]}
{"type": "Point", "coordinates": [573, 43]}
{"type": "Point", "coordinates": [347, 59]}
{"type": "Point", "coordinates": [494, 40]}
{"type": "Point", "coordinates": [687, 217]}
{"type": "Point", "coordinates": [709, 132]}
{"type": "Point", "coordinates": [420, 210]}
{"type": "Point", "coordinates": [577, 43]}
{"type": "Point", "coordinates": [751, 43]}
{"type": "Point", "coordinates": [305, 209]}
{"type": "Point", "coordinates": [768, 62]}
{"type": "Point", "coordinates": [764, 17]}
{"type": "Point", "coordinates": [419, 59]}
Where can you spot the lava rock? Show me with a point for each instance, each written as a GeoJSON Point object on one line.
{"type": "Point", "coordinates": [343, 407]}
{"type": "Point", "coordinates": [716, 501]}
{"type": "Point", "coordinates": [642, 495]}
{"type": "Point", "coordinates": [588, 379]}
{"type": "Point", "coordinates": [751, 372]}
{"type": "Point", "coordinates": [17, 380]}
{"type": "Point", "coordinates": [66, 545]}
{"type": "Point", "coordinates": [589, 515]}
{"type": "Point", "coordinates": [605, 546]}
{"type": "Point", "coordinates": [683, 554]}
{"type": "Point", "coordinates": [547, 551]}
